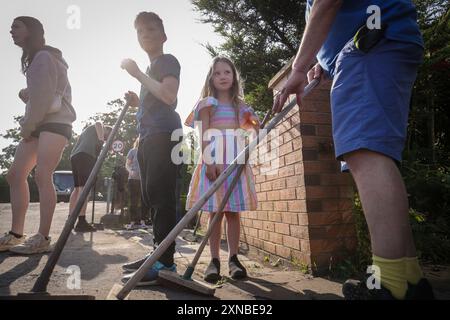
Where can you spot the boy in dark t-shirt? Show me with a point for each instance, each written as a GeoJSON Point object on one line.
{"type": "Point", "coordinates": [157, 119]}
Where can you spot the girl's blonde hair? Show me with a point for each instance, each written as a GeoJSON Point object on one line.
{"type": "Point", "coordinates": [136, 143]}
{"type": "Point", "coordinates": [236, 90]}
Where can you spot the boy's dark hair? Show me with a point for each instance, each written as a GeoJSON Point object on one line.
{"type": "Point", "coordinates": [148, 17]}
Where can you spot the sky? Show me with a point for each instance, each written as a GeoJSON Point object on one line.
{"type": "Point", "coordinates": [94, 46]}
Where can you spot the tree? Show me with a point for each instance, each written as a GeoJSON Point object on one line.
{"type": "Point", "coordinates": [260, 37]}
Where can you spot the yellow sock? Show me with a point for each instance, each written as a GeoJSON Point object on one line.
{"type": "Point", "coordinates": [413, 270]}
{"type": "Point", "coordinates": [392, 272]}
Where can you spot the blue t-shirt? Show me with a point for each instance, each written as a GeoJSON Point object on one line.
{"type": "Point", "coordinates": [154, 116]}
{"type": "Point", "coordinates": [399, 15]}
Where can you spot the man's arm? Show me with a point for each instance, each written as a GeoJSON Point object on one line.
{"type": "Point", "coordinates": [323, 13]}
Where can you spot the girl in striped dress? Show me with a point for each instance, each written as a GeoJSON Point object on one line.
{"type": "Point", "coordinates": [223, 116]}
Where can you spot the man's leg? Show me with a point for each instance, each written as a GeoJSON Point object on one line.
{"type": "Point", "coordinates": [385, 204]}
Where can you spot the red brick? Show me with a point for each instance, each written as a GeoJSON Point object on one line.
{"type": "Point", "coordinates": [287, 194]}
{"type": "Point", "coordinates": [285, 148]}
{"type": "Point", "coordinates": [269, 226]}
{"type": "Point", "coordinates": [302, 219]}
{"type": "Point", "coordinates": [247, 222]}
{"type": "Point", "coordinates": [299, 232]}
{"type": "Point", "coordinates": [258, 243]}
{"type": "Point", "coordinates": [263, 234]}
{"type": "Point", "coordinates": [287, 171]}
{"type": "Point", "coordinates": [258, 224]}
{"type": "Point", "coordinates": [297, 206]}
{"type": "Point", "coordinates": [260, 178]}
{"type": "Point", "coordinates": [304, 246]}
{"type": "Point", "coordinates": [292, 134]}
{"type": "Point", "coordinates": [324, 130]}
{"type": "Point", "coordinates": [252, 232]}
{"type": "Point", "coordinates": [281, 205]}
{"type": "Point", "coordinates": [269, 247]}
{"type": "Point", "coordinates": [326, 245]}
{"type": "Point", "coordinates": [262, 215]}
{"type": "Point", "coordinates": [282, 228]}
{"type": "Point", "coordinates": [321, 192]}
{"type": "Point", "coordinates": [279, 184]}
{"type": "Point", "coordinates": [291, 242]}
{"type": "Point", "coordinates": [268, 206]}
{"type": "Point", "coordinates": [298, 169]}
{"type": "Point", "coordinates": [337, 205]}
{"type": "Point", "coordinates": [275, 238]}
{"type": "Point", "coordinates": [315, 118]}
{"type": "Point", "coordinates": [293, 157]}
{"type": "Point", "coordinates": [257, 187]}
{"type": "Point", "coordinates": [301, 193]}
{"type": "Point", "coordinates": [340, 179]}
{"type": "Point", "coordinates": [262, 196]}
{"type": "Point", "coordinates": [301, 257]}
{"type": "Point", "coordinates": [294, 181]}
{"type": "Point", "coordinates": [297, 144]}
{"type": "Point", "coordinates": [290, 218]}
{"type": "Point", "coordinates": [324, 218]}
{"type": "Point", "coordinates": [272, 195]}
{"type": "Point", "coordinates": [311, 167]}
{"type": "Point", "coordinates": [276, 217]}
{"type": "Point", "coordinates": [347, 217]}
{"type": "Point", "coordinates": [252, 215]}
{"type": "Point", "coordinates": [282, 251]}
{"type": "Point", "coordinates": [346, 192]}
{"type": "Point", "coordinates": [266, 186]}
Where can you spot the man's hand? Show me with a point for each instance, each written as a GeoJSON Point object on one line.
{"type": "Point", "coordinates": [132, 99]}
{"type": "Point", "coordinates": [23, 95]}
{"type": "Point", "coordinates": [316, 72]}
{"type": "Point", "coordinates": [295, 84]}
{"type": "Point", "coordinates": [131, 67]}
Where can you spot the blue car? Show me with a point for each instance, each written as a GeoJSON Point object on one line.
{"type": "Point", "coordinates": [63, 181]}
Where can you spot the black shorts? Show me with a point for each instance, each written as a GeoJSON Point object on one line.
{"type": "Point", "coordinates": [62, 129]}
{"type": "Point", "coordinates": [82, 165]}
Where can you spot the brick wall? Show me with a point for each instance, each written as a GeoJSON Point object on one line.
{"type": "Point", "coordinates": [304, 207]}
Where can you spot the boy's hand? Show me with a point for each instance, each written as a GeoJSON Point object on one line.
{"type": "Point", "coordinates": [23, 95]}
{"type": "Point", "coordinates": [132, 99]}
{"type": "Point", "coordinates": [131, 67]}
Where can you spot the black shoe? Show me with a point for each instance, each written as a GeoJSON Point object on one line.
{"type": "Point", "coordinates": [134, 265]}
{"type": "Point", "coordinates": [237, 270]}
{"type": "Point", "coordinates": [212, 273]}
{"type": "Point", "coordinates": [420, 291]}
{"type": "Point", "coordinates": [357, 290]}
{"type": "Point", "coordinates": [83, 226]}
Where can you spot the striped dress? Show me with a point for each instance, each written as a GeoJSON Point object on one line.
{"type": "Point", "coordinates": [225, 148]}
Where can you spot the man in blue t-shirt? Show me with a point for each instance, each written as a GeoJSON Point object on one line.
{"type": "Point", "coordinates": [157, 119]}
{"type": "Point", "coordinates": [372, 50]}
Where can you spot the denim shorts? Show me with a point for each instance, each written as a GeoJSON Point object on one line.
{"type": "Point", "coordinates": [370, 97]}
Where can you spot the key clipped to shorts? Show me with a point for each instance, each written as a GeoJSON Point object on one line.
{"type": "Point", "coordinates": [365, 39]}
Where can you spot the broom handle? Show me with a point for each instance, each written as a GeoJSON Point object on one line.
{"type": "Point", "coordinates": [139, 274]}
{"type": "Point", "coordinates": [44, 277]}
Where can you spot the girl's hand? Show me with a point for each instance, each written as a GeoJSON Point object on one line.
{"type": "Point", "coordinates": [132, 99]}
{"type": "Point", "coordinates": [131, 67]}
{"type": "Point", "coordinates": [23, 95]}
{"type": "Point", "coordinates": [212, 172]}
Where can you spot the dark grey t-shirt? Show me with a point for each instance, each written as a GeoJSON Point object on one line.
{"type": "Point", "coordinates": [154, 116]}
{"type": "Point", "coordinates": [88, 142]}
